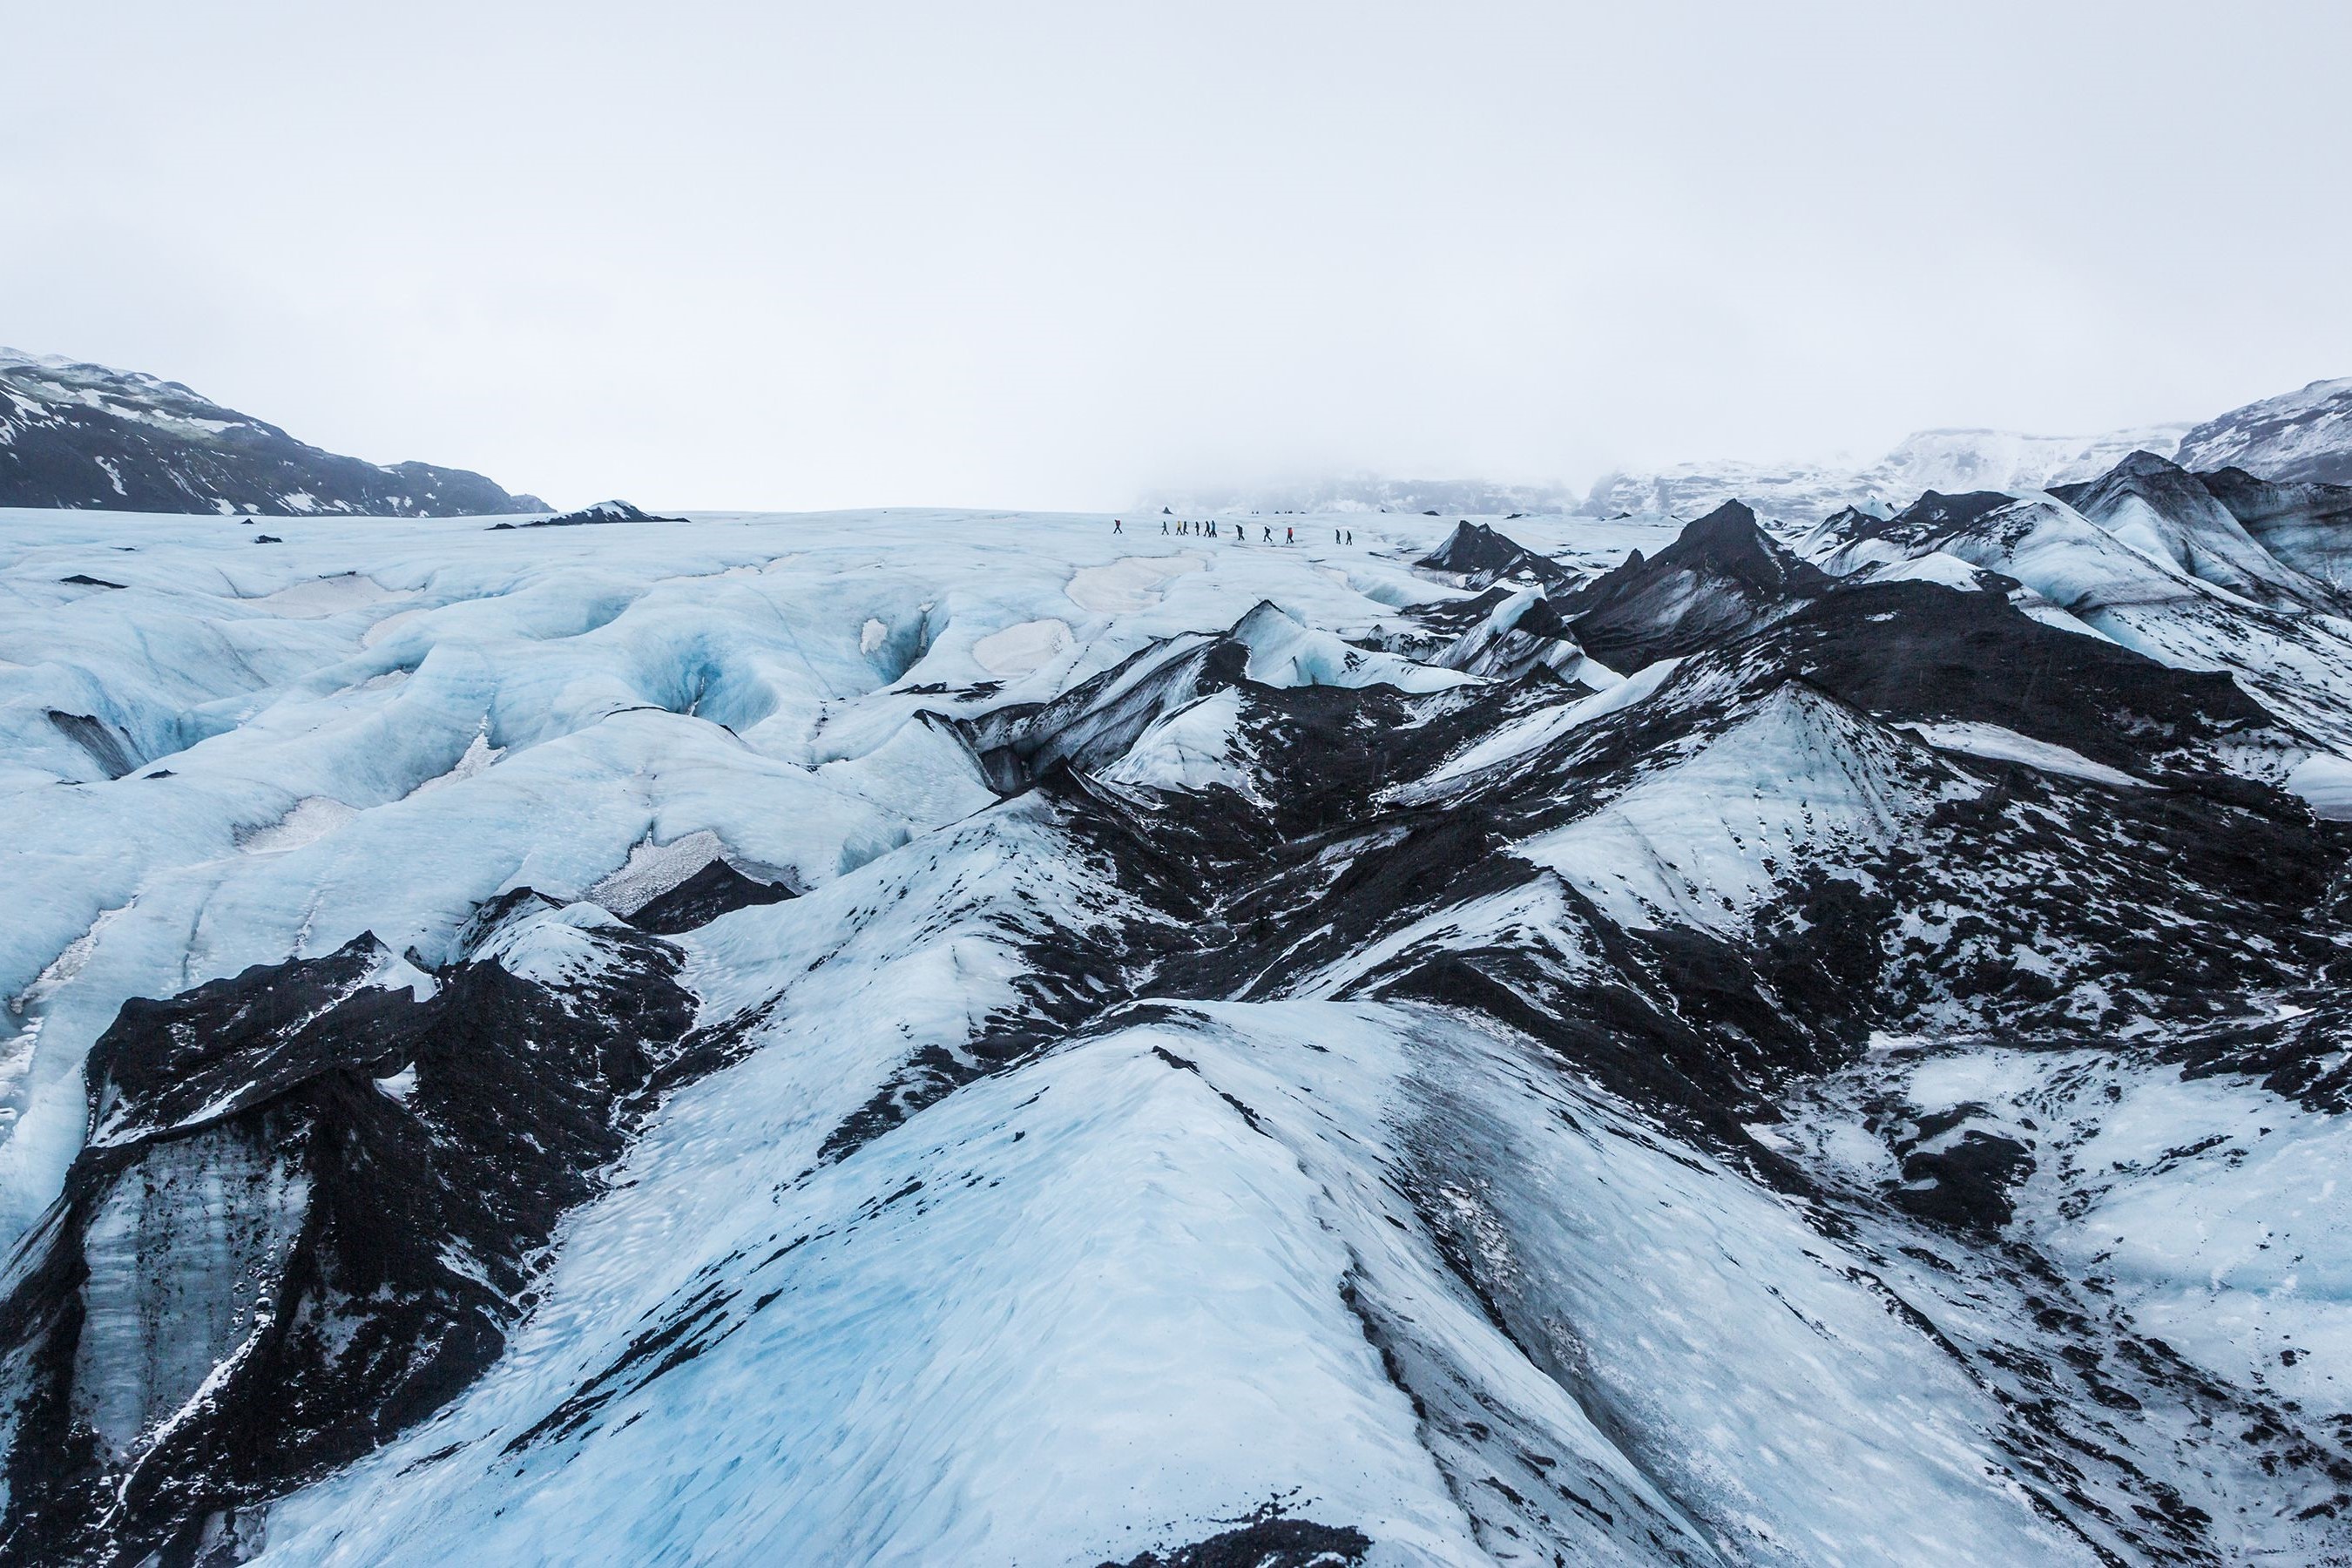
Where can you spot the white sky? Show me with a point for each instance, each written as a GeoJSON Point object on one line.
{"type": "Point", "coordinates": [788, 256]}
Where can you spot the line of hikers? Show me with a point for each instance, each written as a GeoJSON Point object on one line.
{"type": "Point", "coordinates": [1239, 532]}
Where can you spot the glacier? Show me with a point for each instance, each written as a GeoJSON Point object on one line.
{"type": "Point", "coordinates": [919, 1036]}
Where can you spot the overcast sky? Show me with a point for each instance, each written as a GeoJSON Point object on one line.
{"type": "Point", "coordinates": [1057, 255]}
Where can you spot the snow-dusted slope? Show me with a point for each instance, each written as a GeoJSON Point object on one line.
{"type": "Point", "coordinates": [927, 1037]}
{"type": "Point", "coordinates": [84, 436]}
{"type": "Point", "coordinates": [2304, 434]}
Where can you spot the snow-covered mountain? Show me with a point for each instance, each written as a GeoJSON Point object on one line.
{"type": "Point", "coordinates": [916, 1038]}
{"type": "Point", "coordinates": [2304, 434]}
{"type": "Point", "coordinates": [83, 435]}
{"type": "Point", "coordinates": [2301, 435]}
{"type": "Point", "coordinates": [1952, 461]}
{"type": "Point", "coordinates": [1344, 495]}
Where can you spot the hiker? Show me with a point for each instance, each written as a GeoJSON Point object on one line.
{"type": "Point", "coordinates": [1163, 528]}
{"type": "Point", "coordinates": [1115, 527]}
{"type": "Point", "coordinates": [1335, 536]}
{"type": "Point", "coordinates": [1269, 533]}
{"type": "Point", "coordinates": [1290, 536]}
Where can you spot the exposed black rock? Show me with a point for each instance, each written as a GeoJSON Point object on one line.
{"type": "Point", "coordinates": [702, 898]}
{"type": "Point", "coordinates": [588, 516]}
{"type": "Point", "coordinates": [1264, 1543]}
{"type": "Point", "coordinates": [1909, 651]}
{"type": "Point", "coordinates": [82, 436]}
{"type": "Point", "coordinates": [1960, 1175]}
{"type": "Point", "coordinates": [113, 751]}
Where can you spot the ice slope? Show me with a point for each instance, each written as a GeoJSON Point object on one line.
{"type": "Point", "coordinates": [1183, 1251]}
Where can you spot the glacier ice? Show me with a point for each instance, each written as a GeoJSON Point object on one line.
{"type": "Point", "coordinates": [914, 1037]}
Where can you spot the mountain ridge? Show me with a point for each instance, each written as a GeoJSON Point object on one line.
{"type": "Point", "coordinates": [2304, 436]}
{"type": "Point", "coordinates": [80, 435]}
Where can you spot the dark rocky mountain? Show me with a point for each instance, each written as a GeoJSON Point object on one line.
{"type": "Point", "coordinates": [76, 435]}
{"type": "Point", "coordinates": [603, 511]}
{"type": "Point", "coordinates": [1478, 554]}
{"type": "Point", "coordinates": [1721, 577]}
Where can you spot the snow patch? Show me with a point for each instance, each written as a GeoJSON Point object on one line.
{"type": "Point", "coordinates": [1022, 649]}
{"type": "Point", "coordinates": [654, 870]}
{"type": "Point", "coordinates": [323, 597]}
{"type": "Point", "coordinates": [1132, 582]}
{"type": "Point", "coordinates": [2008, 746]}
{"type": "Point", "coordinates": [1534, 731]}
{"type": "Point", "coordinates": [310, 820]}
{"type": "Point", "coordinates": [2325, 781]}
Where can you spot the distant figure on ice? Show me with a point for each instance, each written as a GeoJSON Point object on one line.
{"type": "Point", "coordinates": [1213, 528]}
{"type": "Point", "coordinates": [1163, 528]}
{"type": "Point", "coordinates": [1269, 533]}
{"type": "Point", "coordinates": [1115, 527]}
{"type": "Point", "coordinates": [1289, 535]}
